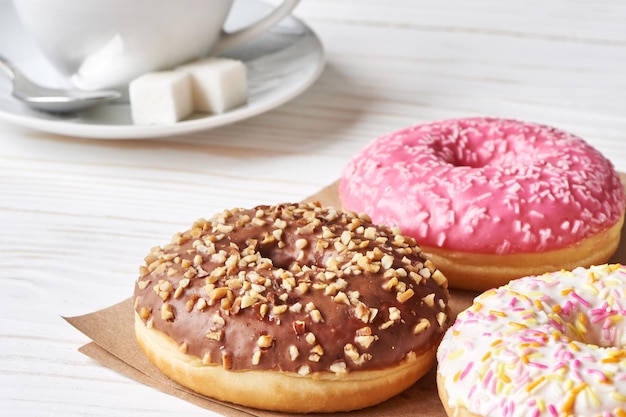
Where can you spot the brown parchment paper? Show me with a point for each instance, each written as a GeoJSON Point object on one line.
{"type": "Point", "coordinates": [113, 345]}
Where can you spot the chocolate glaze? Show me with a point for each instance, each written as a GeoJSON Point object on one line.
{"type": "Point", "coordinates": [287, 272]}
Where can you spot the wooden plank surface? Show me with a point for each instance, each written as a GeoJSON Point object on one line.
{"type": "Point", "coordinates": [77, 216]}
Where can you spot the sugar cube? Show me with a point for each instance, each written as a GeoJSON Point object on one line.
{"type": "Point", "coordinates": [218, 84]}
{"type": "Point", "coordinates": [161, 97]}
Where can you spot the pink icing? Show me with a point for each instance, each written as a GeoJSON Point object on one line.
{"type": "Point", "coordinates": [485, 185]}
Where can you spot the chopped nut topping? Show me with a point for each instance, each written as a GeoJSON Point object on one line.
{"type": "Point", "coordinates": [215, 335]}
{"type": "Point", "coordinates": [166, 312]}
{"type": "Point", "coordinates": [317, 349]}
{"type": "Point", "coordinates": [341, 298]}
{"type": "Point", "coordinates": [439, 278]}
{"type": "Point", "coordinates": [263, 309]}
{"type": "Point", "coordinates": [310, 338]}
{"type": "Point", "coordinates": [296, 308]}
{"type": "Point", "coordinates": [423, 324]}
{"type": "Point", "coordinates": [351, 352]}
{"type": "Point", "coordinates": [387, 261]}
{"type": "Point", "coordinates": [143, 271]}
{"type": "Point", "coordinates": [373, 314]}
{"type": "Point", "coordinates": [163, 289]}
{"type": "Point", "coordinates": [218, 293]}
{"type": "Point", "coordinates": [247, 301]}
{"type": "Point", "coordinates": [417, 278]}
{"type": "Point", "coordinates": [181, 286]}
{"type": "Point", "coordinates": [364, 331]}
{"type": "Point", "coordinates": [389, 285]}
{"type": "Point", "coordinates": [370, 233]}
{"type": "Point", "coordinates": [201, 304]}
{"type": "Point", "coordinates": [303, 288]}
{"type": "Point", "coordinates": [281, 224]}
{"type": "Point", "coordinates": [280, 309]}
{"type": "Point", "coordinates": [425, 273]}
{"type": "Point", "coordinates": [365, 341]}
{"type": "Point", "coordinates": [386, 325]}
{"type": "Point", "coordinates": [256, 357]}
{"type": "Point", "coordinates": [144, 313]}
{"type": "Point", "coordinates": [277, 234]}
{"type": "Point", "coordinates": [299, 327]}
{"type": "Point", "coordinates": [227, 360]}
{"type": "Point", "coordinates": [304, 370]}
{"type": "Point", "coordinates": [362, 312]}
{"type": "Point", "coordinates": [222, 228]}
{"type": "Point", "coordinates": [332, 264]}
{"type": "Point", "coordinates": [394, 313]}
{"type": "Point", "coordinates": [429, 300]}
{"type": "Point", "coordinates": [339, 367]}
{"type": "Point", "coordinates": [441, 318]}
{"type": "Point", "coordinates": [218, 319]}
{"type": "Point", "coordinates": [403, 297]}
{"type": "Point", "coordinates": [346, 237]}
{"type": "Point", "coordinates": [265, 341]}
{"type": "Point", "coordinates": [294, 353]}
{"type": "Point", "coordinates": [363, 358]}
{"type": "Point", "coordinates": [231, 263]}
{"type": "Point", "coordinates": [314, 357]}
{"type": "Point", "coordinates": [316, 316]}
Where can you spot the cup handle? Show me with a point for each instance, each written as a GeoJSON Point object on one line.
{"type": "Point", "coordinates": [232, 39]}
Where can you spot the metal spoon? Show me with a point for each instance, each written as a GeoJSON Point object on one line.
{"type": "Point", "coordinates": [53, 100]}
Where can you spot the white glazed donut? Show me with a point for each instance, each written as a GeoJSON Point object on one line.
{"type": "Point", "coordinates": [549, 345]}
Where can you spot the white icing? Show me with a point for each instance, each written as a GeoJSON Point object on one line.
{"type": "Point", "coordinates": [549, 345]}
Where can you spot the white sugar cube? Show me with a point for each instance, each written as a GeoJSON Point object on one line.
{"type": "Point", "coordinates": [160, 97]}
{"type": "Point", "coordinates": [218, 84]}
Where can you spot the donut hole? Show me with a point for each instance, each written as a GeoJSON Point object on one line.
{"type": "Point", "coordinates": [594, 328]}
{"type": "Point", "coordinates": [587, 339]}
{"type": "Point", "coordinates": [476, 148]}
{"type": "Point", "coordinates": [290, 255]}
{"type": "Point", "coordinates": [280, 258]}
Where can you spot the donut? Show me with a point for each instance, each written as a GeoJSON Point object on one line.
{"type": "Point", "coordinates": [547, 345]}
{"type": "Point", "coordinates": [292, 307]}
{"type": "Point", "coordinates": [490, 199]}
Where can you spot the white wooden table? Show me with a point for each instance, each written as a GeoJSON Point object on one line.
{"type": "Point", "coordinates": [78, 215]}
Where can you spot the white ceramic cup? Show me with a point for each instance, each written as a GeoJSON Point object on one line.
{"type": "Point", "coordinates": [106, 43]}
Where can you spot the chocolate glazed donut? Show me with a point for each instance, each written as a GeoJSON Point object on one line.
{"type": "Point", "coordinates": [293, 307]}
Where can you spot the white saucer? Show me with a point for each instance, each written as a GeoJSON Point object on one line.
{"type": "Point", "coordinates": [282, 63]}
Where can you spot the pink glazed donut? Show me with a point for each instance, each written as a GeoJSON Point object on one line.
{"type": "Point", "coordinates": [491, 199]}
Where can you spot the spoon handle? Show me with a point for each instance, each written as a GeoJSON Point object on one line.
{"type": "Point", "coordinates": [7, 67]}
{"type": "Point", "coordinates": [23, 87]}
{"type": "Point", "coordinates": [52, 99]}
